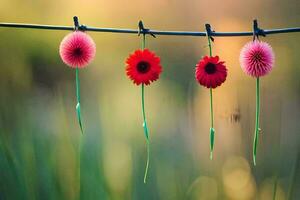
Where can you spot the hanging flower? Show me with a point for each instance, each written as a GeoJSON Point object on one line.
{"type": "Point", "coordinates": [257, 58]}
{"type": "Point", "coordinates": [210, 72]}
{"type": "Point", "coordinates": [77, 49]}
{"type": "Point", "coordinates": [143, 66]}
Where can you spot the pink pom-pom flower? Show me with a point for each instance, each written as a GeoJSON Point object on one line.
{"type": "Point", "coordinates": [77, 49]}
{"type": "Point", "coordinates": [257, 58]}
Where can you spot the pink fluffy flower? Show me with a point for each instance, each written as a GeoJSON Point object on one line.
{"type": "Point", "coordinates": [77, 49]}
{"type": "Point", "coordinates": [257, 58]}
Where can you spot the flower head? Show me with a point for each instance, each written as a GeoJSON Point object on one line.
{"type": "Point", "coordinates": [77, 49]}
{"type": "Point", "coordinates": [257, 58]}
{"type": "Point", "coordinates": [210, 72]}
{"type": "Point", "coordinates": [143, 66]}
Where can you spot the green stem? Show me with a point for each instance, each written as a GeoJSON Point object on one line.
{"type": "Point", "coordinates": [144, 120]}
{"type": "Point", "coordinates": [144, 41]}
{"type": "Point", "coordinates": [80, 124]}
{"type": "Point", "coordinates": [211, 130]}
{"type": "Point", "coordinates": [146, 133]}
{"type": "Point", "coordinates": [257, 129]}
{"type": "Point", "coordinates": [78, 99]}
{"type": "Point", "coordinates": [211, 108]}
{"type": "Point", "coordinates": [209, 45]}
{"type": "Point", "coordinates": [143, 111]}
{"type": "Point", "coordinates": [148, 160]}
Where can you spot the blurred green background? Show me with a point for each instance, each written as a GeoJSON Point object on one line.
{"type": "Point", "coordinates": [39, 134]}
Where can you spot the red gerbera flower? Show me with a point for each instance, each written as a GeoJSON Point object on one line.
{"type": "Point", "coordinates": [210, 72]}
{"type": "Point", "coordinates": [143, 66]}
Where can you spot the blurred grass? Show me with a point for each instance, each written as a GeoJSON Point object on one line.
{"type": "Point", "coordinates": [39, 135]}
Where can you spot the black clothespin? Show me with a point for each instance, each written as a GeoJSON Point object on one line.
{"type": "Point", "coordinates": [76, 23]}
{"type": "Point", "coordinates": [209, 32]}
{"type": "Point", "coordinates": [144, 30]}
{"type": "Point", "coordinates": [257, 31]}
{"type": "Point", "coordinates": [77, 26]}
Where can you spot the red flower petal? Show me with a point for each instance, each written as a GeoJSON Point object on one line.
{"type": "Point", "coordinates": [145, 76]}
{"type": "Point", "coordinates": [210, 78]}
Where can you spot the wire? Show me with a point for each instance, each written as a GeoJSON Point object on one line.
{"type": "Point", "coordinates": [155, 32]}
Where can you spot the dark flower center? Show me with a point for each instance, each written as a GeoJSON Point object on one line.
{"type": "Point", "coordinates": [210, 68]}
{"type": "Point", "coordinates": [143, 67]}
{"type": "Point", "coordinates": [77, 52]}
